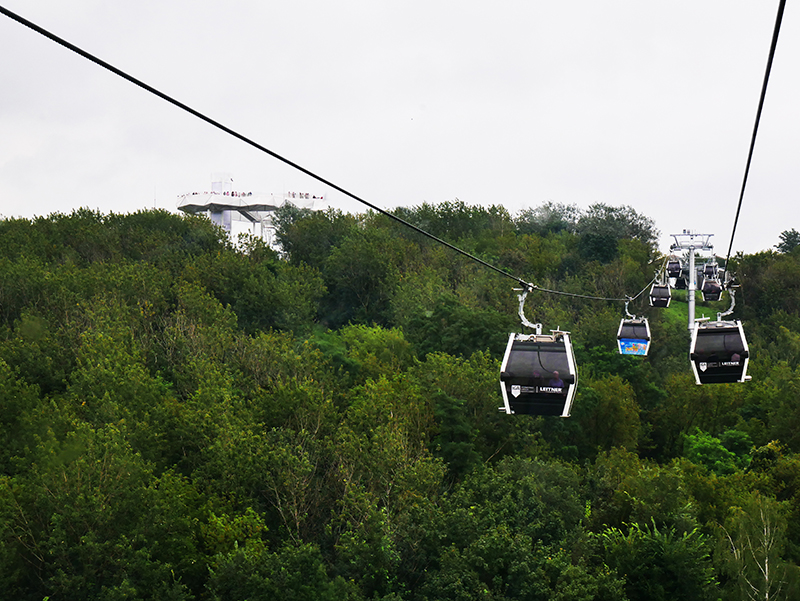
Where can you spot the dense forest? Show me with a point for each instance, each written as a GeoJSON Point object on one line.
{"type": "Point", "coordinates": [189, 417]}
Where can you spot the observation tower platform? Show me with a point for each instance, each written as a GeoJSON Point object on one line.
{"type": "Point", "coordinates": [244, 212]}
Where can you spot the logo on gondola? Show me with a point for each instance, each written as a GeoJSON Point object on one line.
{"type": "Point", "coordinates": [516, 390]}
{"type": "Point", "coordinates": [703, 366]}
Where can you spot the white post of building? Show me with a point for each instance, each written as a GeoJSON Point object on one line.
{"type": "Point", "coordinates": [692, 287]}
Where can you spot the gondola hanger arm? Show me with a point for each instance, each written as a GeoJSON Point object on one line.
{"type": "Point", "coordinates": [732, 294]}
{"type": "Point", "coordinates": [628, 313]}
{"type": "Point", "coordinates": [537, 327]}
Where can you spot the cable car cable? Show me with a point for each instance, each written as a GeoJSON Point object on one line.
{"type": "Point", "coordinates": [588, 296]}
{"type": "Point", "coordinates": [774, 44]}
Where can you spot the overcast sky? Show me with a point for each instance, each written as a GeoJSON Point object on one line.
{"type": "Point", "coordinates": [649, 104]}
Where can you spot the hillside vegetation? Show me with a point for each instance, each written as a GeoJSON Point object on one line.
{"type": "Point", "coordinates": [187, 418]}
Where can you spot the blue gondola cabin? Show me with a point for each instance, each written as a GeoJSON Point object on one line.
{"type": "Point", "coordinates": [633, 337]}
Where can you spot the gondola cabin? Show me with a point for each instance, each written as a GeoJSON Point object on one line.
{"type": "Point", "coordinates": [674, 268]}
{"type": "Point", "coordinates": [719, 352]}
{"type": "Point", "coordinates": [711, 289]}
{"type": "Point", "coordinates": [710, 270]}
{"type": "Point", "coordinates": [538, 374]}
{"type": "Point", "coordinates": [660, 295]}
{"type": "Point", "coordinates": [633, 337]}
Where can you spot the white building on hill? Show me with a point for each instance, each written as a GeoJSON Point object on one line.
{"type": "Point", "coordinates": [244, 212]}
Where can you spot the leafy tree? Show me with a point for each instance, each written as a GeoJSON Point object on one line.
{"type": "Point", "coordinates": [771, 285]}
{"type": "Point", "coordinates": [296, 573]}
{"type": "Point", "coordinates": [661, 563]}
{"type": "Point", "coordinates": [501, 533]}
{"type": "Point", "coordinates": [777, 471]}
{"type": "Point", "coordinates": [19, 402]}
{"type": "Point", "coordinates": [280, 472]}
{"type": "Point", "coordinates": [549, 218]}
{"type": "Point", "coordinates": [456, 329]}
{"type": "Point", "coordinates": [625, 489]}
{"type": "Point", "coordinates": [384, 471]}
{"type": "Point", "coordinates": [309, 236]}
{"type": "Point", "coordinates": [754, 540]}
{"type": "Point", "coordinates": [687, 406]}
{"type": "Point", "coordinates": [87, 237]}
{"type": "Point", "coordinates": [601, 228]}
{"type": "Point", "coordinates": [361, 274]}
{"type": "Point", "coordinates": [706, 450]}
{"type": "Point", "coordinates": [417, 292]}
{"type": "Point", "coordinates": [455, 221]}
{"type": "Point", "coordinates": [455, 439]}
{"type": "Point", "coordinates": [472, 383]}
{"type": "Point", "coordinates": [606, 416]}
{"type": "Point", "coordinates": [790, 239]}
{"type": "Point", "coordinates": [539, 257]}
{"type": "Point", "coordinates": [81, 523]}
{"type": "Point", "coordinates": [263, 292]}
{"type": "Point", "coordinates": [377, 351]}
{"type": "Point", "coordinates": [530, 497]}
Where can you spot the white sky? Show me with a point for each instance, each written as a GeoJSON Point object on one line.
{"type": "Point", "coordinates": [626, 102]}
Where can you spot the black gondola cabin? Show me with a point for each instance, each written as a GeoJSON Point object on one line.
{"type": "Point", "coordinates": [710, 270]}
{"type": "Point", "coordinates": [674, 268]}
{"type": "Point", "coordinates": [711, 289]}
{"type": "Point", "coordinates": [660, 295]}
{"type": "Point", "coordinates": [719, 352]}
{"type": "Point", "coordinates": [538, 374]}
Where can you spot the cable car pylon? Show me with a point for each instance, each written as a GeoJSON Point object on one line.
{"type": "Point", "coordinates": [691, 243]}
{"type": "Point", "coordinates": [718, 350]}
